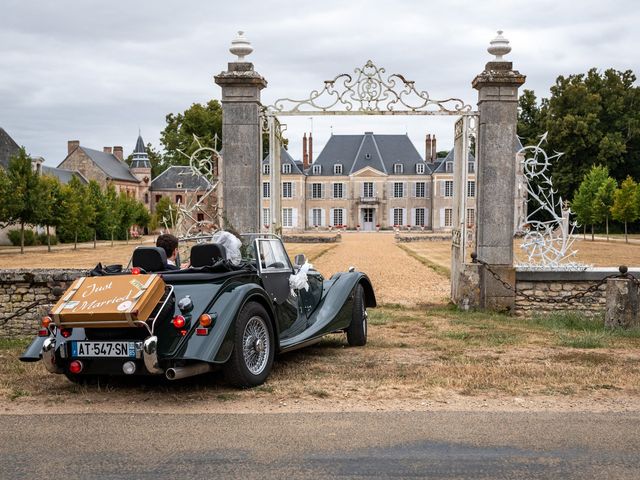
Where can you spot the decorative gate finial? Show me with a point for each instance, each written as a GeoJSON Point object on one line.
{"type": "Point", "coordinates": [499, 46]}
{"type": "Point", "coordinates": [241, 46]}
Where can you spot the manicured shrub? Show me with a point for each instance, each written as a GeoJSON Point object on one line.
{"type": "Point", "coordinates": [29, 237]}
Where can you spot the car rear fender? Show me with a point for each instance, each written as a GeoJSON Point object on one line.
{"type": "Point", "coordinates": [216, 347]}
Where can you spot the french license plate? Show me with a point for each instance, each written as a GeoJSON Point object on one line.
{"type": "Point", "coordinates": [103, 349]}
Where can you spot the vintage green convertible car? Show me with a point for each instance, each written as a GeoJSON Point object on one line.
{"type": "Point", "coordinates": [215, 313]}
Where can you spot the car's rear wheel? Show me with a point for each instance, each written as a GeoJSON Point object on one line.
{"type": "Point", "coordinates": [253, 348]}
{"type": "Point", "coordinates": [357, 331]}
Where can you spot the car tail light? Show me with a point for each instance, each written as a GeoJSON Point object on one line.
{"type": "Point", "coordinates": [183, 332]}
{"type": "Point", "coordinates": [75, 366]}
{"type": "Point", "coordinates": [135, 271]}
{"type": "Point", "coordinates": [46, 321]}
{"type": "Point", "coordinates": [66, 332]}
{"type": "Point", "coordinates": [202, 331]}
{"type": "Point", "coordinates": [43, 332]}
{"type": "Point", "coordinates": [178, 321]}
{"type": "Point", "coordinates": [205, 320]}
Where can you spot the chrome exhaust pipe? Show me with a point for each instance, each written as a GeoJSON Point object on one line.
{"type": "Point", "coordinates": [176, 373]}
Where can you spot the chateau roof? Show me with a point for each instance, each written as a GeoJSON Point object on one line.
{"type": "Point", "coordinates": [381, 152]}
{"type": "Point", "coordinates": [110, 165]}
{"type": "Point", "coordinates": [169, 179]}
{"type": "Point", "coordinates": [8, 148]}
{"type": "Point", "coordinates": [140, 157]}
{"type": "Point", "coordinates": [63, 175]}
{"type": "Point", "coordinates": [285, 158]}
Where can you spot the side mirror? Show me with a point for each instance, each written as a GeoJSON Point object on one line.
{"type": "Point", "coordinates": [300, 260]}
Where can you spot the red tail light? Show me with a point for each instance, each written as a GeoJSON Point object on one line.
{"type": "Point", "coordinates": [135, 271]}
{"type": "Point", "coordinates": [75, 366]}
{"type": "Point", "coordinates": [183, 332]}
{"type": "Point", "coordinates": [66, 332]}
{"type": "Point", "coordinates": [178, 321]}
{"type": "Point", "coordinates": [43, 332]}
{"type": "Point", "coordinates": [202, 331]}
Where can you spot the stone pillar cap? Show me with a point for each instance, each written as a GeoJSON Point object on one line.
{"type": "Point", "coordinates": [241, 46]}
{"type": "Point", "coordinates": [499, 46]}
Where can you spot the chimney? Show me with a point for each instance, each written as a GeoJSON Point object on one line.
{"type": "Point", "coordinates": [310, 148]}
{"type": "Point", "coordinates": [427, 148]}
{"type": "Point", "coordinates": [107, 150]}
{"type": "Point", "coordinates": [72, 145]}
{"type": "Point", "coordinates": [117, 152]}
{"type": "Point", "coordinates": [434, 150]}
{"type": "Point", "coordinates": [305, 155]}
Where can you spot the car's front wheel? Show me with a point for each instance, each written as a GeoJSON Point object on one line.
{"type": "Point", "coordinates": [253, 349]}
{"type": "Point", "coordinates": [357, 331]}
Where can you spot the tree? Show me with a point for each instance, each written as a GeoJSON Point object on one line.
{"type": "Point", "coordinates": [595, 120]}
{"type": "Point", "coordinates": [603, 202]}
{"type": "Point", "coordinates": [126, 207]}
{"type": "Point", "coordinates": [110, 219]}
{"type": "Point", "coordinates": [531, 118]}
{"type": "Point", "coordinates": [52, 214]}
{"type": "Point", "coordinates": [625, 204]}
{"type": "Point", "coordinates": [584, 201]}
{"type": "Point", "coordinates": [96, 198]}
{"type": "Point", "coordinates": [204, 121]}
{"type": "Point", "coordinates": [23, 200]}
{"type": "Point", "coordinates": [79, 213]}
{"type": "Point", "coordinates": [166, 212]}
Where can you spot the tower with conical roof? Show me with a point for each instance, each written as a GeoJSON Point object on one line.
{"type": "Point", "coordinates": [141, 169]}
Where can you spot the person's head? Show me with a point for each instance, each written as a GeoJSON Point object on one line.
{"type": "Point", "coordinates": [170, 245]}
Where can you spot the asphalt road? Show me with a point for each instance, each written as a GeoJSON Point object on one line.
{"type": "Point", "coordinates": [434, 445]}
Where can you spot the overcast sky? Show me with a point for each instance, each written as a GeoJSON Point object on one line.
{"type": "Point", "coordinates": [97, 71]}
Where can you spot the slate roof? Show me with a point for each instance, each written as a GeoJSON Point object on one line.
{"type": "Point", "coordinates": [439, 166]}
{"type": "Point", "coordinates": [169, 179]}
{"type": "Point", "coordinates": [285, 158]}
{"type": "Point", "coordinates": [110, 165]}
{"type": "Point", "coordinates": [140, 157]}
{"type": "Point", "coordinates": [380, 152]}
{"type": "Point", "coordinates": [63, 175]}
{"type": "Point", "coordinates": [8, 148]}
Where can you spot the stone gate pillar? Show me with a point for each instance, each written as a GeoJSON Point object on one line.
{"type": "Point", "coordinates": [241, 140]}
{"type": "Point", "coordinates": [497, 89]}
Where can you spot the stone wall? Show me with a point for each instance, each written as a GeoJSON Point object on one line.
{"type": "Point", "coordinates": [559, 286]}
{"type": "Point", "coordinates": [19, 288]}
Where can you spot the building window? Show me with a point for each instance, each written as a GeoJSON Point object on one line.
{"type": "Point", "coordinates": [448, 217]}
{"type": "Point", "coordinates": [420, 217]}
{"type": "Point", "coordinates": [287, 217]}
{"type": "Point", "coordinates": [398, 168]}
{"type": "Point", "coordinates": [471, 188]}
{"type": "Point", "coordinates": [420, 168]}
{"type": "Point", "coordinates": [178, 198]}
{"type": "Point", "coordinates": [448, 188]}
{"type": "Point", "coordinates": [179, 185]}
{"type": "Point", "coordinates": [398, 216]}
{"type": "Point", "coordinates": [398, 190]}
{"type": "Point", "coordinates": [420, 189]}
{"type": "Point", "coordinates": [198, 198]}
{"type": "Point", "coordinates": [448, 167]}
{"type": "Point", "coordinates": [316, 190]}
{"type": "Point", "coordinates": [201, 217]}
{"type": "Point", "coordinates": [337, 169]}
{"type": "Point", "coordinates": [338, 190]}
{"type": "Point", "coordinates": [471, 217]}
{"type": "Point", "coordinates": [287, 190]}
{"type": "Point", "coordinates": [286, 168]}
{"type": "Point", "coordinates": [266, 189]}
{"type": "Point", "coordinates": [338, 217]}
{"type": "Point", "coordinates": [146, 198]}
{"type": "Point", "coordinates": [316, 216]}
{"type": "Point", "coordinates": [266, 169]}
{"type": "Point", "coordinates": [471, 168]}
{"type": "Point", "coordinates": [158, 197]}
{"type": "Point", "coordinates": [367, 190]}
{"type": "Point", "coordinates": [266, 217]}
{"type": "Point", "coordinates": [317, 169]}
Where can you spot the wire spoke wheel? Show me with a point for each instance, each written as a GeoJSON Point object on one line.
{"type": "Point", "coordinates": [255, 345]}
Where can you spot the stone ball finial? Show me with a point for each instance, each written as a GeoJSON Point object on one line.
{"type": "Point", "coordinates": [499, 46]}
{"type": "Point", "coordinates": [241, 46]}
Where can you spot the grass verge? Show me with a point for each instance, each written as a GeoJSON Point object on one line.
{"type": "Point", "coordinates": [439, 269]}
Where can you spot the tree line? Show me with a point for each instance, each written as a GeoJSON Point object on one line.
{"type": "Point", "coordinates": [77, 211]}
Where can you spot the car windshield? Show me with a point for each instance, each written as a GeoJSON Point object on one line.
{"type": "Point", "coordinates": [247, 249]}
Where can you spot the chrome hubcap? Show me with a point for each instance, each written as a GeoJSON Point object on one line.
{"type": "Point", "coordinates": [255, 345]}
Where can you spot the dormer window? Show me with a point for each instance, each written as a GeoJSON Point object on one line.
{"type": "Point", "coordinates": [448, 167]}
{"type": "Point", "coordinates": [398, 168]}
{"type": "Point", "coordinates": [367, 156]}
{"type": "Point", "coordinates": [266, 169]}
{"type": "Point", "coordinates": [179, 185]}
{"type": "Point", "coordinates": [317, 169]}
{"type": "Point", "coordinates": [337, 169]}
{"type": "Point", "coordinates": [286, 168]}
{"type": "Point", "coordinates": [420, 168]}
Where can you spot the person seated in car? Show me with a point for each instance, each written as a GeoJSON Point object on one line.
{"type": "Point", "coordinates": [169, 243]}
